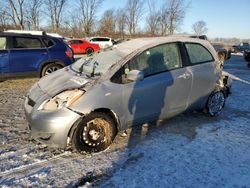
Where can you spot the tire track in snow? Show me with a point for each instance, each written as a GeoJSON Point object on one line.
{"type": "Point", "coordinates": [14, 172]}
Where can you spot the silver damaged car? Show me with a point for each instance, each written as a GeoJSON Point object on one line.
{"type": "Point", "coordinates": [142, 80]}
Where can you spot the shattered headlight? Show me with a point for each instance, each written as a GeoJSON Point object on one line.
{"type": "Point", "coordinates": [63, 99]}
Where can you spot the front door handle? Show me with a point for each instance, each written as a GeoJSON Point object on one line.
{"type": "Point", "coordinates": [2, 55]}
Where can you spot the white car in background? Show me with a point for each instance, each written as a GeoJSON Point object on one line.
{"type": "Point", "coordinates": [104, 42]}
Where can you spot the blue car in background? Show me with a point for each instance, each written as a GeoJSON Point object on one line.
{"type": "Point", "coordinates": [29, 54]}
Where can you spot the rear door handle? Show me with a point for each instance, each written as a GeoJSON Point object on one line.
{"type": "Point", "coordinates": [184, 76]}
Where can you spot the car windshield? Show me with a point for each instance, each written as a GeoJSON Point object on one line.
{"type": "Point", "coordinates": [97, 64]}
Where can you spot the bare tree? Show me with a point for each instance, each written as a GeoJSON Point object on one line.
{"type": "Point", "coordinates": [107, 23]}
{"type": "Point", "coordinates": [4, 20]}
{"type": "Point", "coordinates": [17, 13]}
{"type": "Point", "coordinates": [121, 22]}
{"type": "Point", "coordinates": [73, 24]}
{"type": "Point", "coordinates": [33, 13]}
{"type": "Point", "coordinates": [134, 13]}
{"type": "Point", "coordinates": [200, 27]}
{"type": "Point", "coordinates": [55, 8]}
{"type": "Point", "coordinates": [176, 10]}
{"type": "Point", "coordinates": [164, 21]}
{"type": "Point", "coordinates": [88, 10]}
{"type": "Point", "coordinates": [153, 19]}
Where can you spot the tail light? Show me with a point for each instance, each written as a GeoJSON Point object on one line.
{"type": "Point", "coordinates": [69, 53]}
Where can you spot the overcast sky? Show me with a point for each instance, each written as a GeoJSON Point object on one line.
{"type": "Point", "coordinates": [224, 18]}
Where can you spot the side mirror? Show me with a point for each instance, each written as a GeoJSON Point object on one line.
{"type": "Point", "coordinates": [135, 75]}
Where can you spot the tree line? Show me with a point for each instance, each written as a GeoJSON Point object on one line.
{"type": "Point", "coordinates": [78, 18]}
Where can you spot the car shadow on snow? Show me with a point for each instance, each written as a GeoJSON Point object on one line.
{"type": "Point", "coordinates": [148, 135]}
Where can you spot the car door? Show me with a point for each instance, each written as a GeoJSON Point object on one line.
{"type": "Point", "coordinates": [204, 71]}
{"type": "Point", "coordinates": [164, 90]}
{"type": "Point", "coordinates": [27, 54]}
{"type": "Point", "coordinates": [77, 46]}
{"type": "Point", "coordinates": [4, 55]}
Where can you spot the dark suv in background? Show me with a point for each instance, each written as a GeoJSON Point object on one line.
{"type": "Point", "coordinates": [28, 54]}
{"type": "Point", "coordinates": [241, 47]}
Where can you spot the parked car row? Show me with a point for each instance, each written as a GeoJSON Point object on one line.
{"type": "Point", "coordinates": [94, 44]}
{"type": "Point", "coordinates": [240, 47]}
{"type": "Point", "coordinates": [27, 53]}
{"type": "Point", "coordinates": [37, 53]}
{"type": "Point", "coordinates": [83, 46]}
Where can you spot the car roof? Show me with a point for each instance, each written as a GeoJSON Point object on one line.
{"type": "Point", "coordinates": [143, 43]}
{"type": "Point", "coordinates": [100, 37]}
{"type": "Point", "coordinates": [27, 34]}
{"type": "Point", "coordinates": [77, 39]}
{"type": "Point", "coordinates": [23, 35]}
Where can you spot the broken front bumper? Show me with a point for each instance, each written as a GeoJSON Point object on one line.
{"type": "Point", "coordinates": [50, 127]}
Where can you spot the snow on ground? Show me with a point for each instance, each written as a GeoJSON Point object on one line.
{"type": "Point", "coordinates": [190, 150]}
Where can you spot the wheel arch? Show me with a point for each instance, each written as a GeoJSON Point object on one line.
{"type": "Point", "coordinates": [107, 111]}
{"type": "Point", "coordinates": [45, 63]}
{"type": "Point", "coordinates": [89, 47]}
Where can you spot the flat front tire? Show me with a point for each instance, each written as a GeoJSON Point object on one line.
{"type": "Point", "coordinates": [94, 133]}
{"type": "Point", "coordinates": [215, 103]}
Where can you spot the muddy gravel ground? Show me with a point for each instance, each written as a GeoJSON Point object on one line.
{"type": "Point", "coordinates": [190, 150]}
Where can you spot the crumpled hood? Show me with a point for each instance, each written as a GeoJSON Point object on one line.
{"type": "Point", "coordinates": [61, 80]}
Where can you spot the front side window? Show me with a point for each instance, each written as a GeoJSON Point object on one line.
{"type": "Point", "coordinates": [157, 59]}
{"type": "Point", "coordinates": [3, 43]}
{"type": "Point", "coordinates": [76, 42]}
{"type": "Point", "coordinates": [22, 42]}
{"type": "Point", "coordinates": [93, 39]}
{"type": "Point", "coordinates": [198, 53]}
{"type": "Point", "coordinates": [104, 39]}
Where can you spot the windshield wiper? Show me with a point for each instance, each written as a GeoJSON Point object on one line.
{"type": "Point", "coordinates": [86, 62]}
{"type": "Point", "coordinates": [95, 64]}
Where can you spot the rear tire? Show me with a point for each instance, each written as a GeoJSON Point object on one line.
{"type": "Point", "coordinates": [89, 51]}
{"type": "Point", "coordinates": [215, 103]}
{"type": "Point", "coordinates": [94, 133]}
{"type": "Point", "coordinates": [48, 69]}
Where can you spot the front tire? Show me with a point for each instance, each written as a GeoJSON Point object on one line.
{"type": "Point", "coordinates": [94, 133]}
{"type": "Point", "coordinates": [215, 103]}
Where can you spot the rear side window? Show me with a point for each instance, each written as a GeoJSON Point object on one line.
{"type": "Point", "coordinates": [48, 43]}
{"type": "Point", "coordinates": [198, 53]}
{"type": "Point", "coordinates": [3, 43]}
{"type": "Point", "coordinates": [21, 42]}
